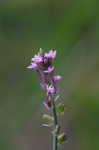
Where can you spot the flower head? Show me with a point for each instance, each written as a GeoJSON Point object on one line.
{"type": "Point", "coordinates": [42, 63]}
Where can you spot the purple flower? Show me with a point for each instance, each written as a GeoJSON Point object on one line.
{"type": "Point", "coordinates": [37, 59]}
{"type": "Point", "coordinates": [32, 66]}
{"type": "Point", "coordinates": [51, 54]}
{"type": "Point", "coordinates": [56, 78]}
{"type": "Point", "coordinates": [50, 89]}
{"type": "Point", "coordinates": [49, 69]}
{"type": "Point", "coordinates": [46, 60]}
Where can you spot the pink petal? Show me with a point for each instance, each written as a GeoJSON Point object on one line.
{"type": "Point", "coordinates": [32, 66]}
{"type": "Point", "coordinates": [56, 78]}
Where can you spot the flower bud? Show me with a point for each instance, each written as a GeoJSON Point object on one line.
{"type": "Point", "coordinates": [61, 138]}
{"type": "Point", "coordinates": [55, 132]}
{"type": "Point", "coordinates": [48, 120]}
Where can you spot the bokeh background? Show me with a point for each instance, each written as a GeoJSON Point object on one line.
{"type": "Point", "coordinates": [72, 27]}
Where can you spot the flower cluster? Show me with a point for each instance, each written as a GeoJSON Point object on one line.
{"type": "Point", "coordinates": [43, 64]}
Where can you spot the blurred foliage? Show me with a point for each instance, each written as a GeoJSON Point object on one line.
{"type": "Point", "coordinates": [72, 27]}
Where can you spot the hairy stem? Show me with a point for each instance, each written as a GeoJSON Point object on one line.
{"type": "Point", "coordinates": [55, 142]}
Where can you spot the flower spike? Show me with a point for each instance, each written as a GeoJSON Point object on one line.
{"type": "Point", "coordinates": [42, 63]}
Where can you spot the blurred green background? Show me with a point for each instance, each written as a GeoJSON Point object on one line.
{"type": "Point", "coordinates": [72, 27]}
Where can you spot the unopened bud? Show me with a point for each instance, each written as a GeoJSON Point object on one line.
{"type": "Point", "coordinates": [48, 120]}
{"type": "Point", "coordinates": [40, 51]}
{"type": "Point", "coordinates": [55, 132]}
{"type": "Point", "coordinates": [62, 138]}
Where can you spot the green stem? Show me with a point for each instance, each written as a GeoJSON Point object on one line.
{"type": "Point", "coordinates": [55, 143]}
